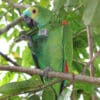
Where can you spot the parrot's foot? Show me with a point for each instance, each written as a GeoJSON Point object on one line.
{"type": "Point", "coordinates": [46, 71]}
{"type": "Point", "coordinates": [21, 36]}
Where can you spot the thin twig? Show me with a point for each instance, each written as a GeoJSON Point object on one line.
{"type": "Point", "coordinates": [52, 74]}
{"type": "Point", "coordinates": [9, 59]}
{"type": "Point", "coordinates": [79, 32]}
{"type": "Point", "coordinates": [79, 62]}
{"type": "Point", "coordinates": [88, 63]}
{"type": "Point", "coordinates": [17, 5]}
{"type": "Point", "coordinates": [90, 44]}
{"type": "Point", "coordinates": [5, 29]}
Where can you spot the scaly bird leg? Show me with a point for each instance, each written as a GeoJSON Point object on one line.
{"type": "Point", "coordinates": [46, 71]}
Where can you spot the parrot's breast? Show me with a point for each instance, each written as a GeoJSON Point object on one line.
{"type": "Point", "coordinates": [49, 50]}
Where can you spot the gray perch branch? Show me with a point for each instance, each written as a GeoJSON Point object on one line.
{"type": "Point", "coordinates": [15, 22]}
{"type": "Point", "coordinates": [16, 5]}
{"type": "Point", "coordinates": [52, 74]}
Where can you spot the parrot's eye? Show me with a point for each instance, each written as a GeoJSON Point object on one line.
{"type": "Point", "coordinates": [34, 11]}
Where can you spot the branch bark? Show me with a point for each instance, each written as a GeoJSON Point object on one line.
{"type": "Point", "coordinates": [91, 61]}
{"type": "Point", "coordinates": [15, 22]}
{"type": "Point", "coordinates": [17, 5]}
{"type": "Point", "coordinates": [79, 32]}
{"type": "Point", "coordinates": [9, 59]}
{"type": "Point", "coordinates": [90, 44]}
{"type": "Point", "coordinates": [52, 74]}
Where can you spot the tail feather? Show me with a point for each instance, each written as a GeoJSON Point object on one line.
{"type": "Point", "coordinates": [37, 64]}
{"type": "Point", "coordinates": [63, 82]}
{"type": "Point", "coordinates": [61, 87]}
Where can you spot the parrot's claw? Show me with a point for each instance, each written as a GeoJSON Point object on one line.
{"type": "Point", "coordinates": [21, 36]}
{"type": "Point", "coordinates": [46, 71]}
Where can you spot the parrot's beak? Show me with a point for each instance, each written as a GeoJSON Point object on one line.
{"type": "Point", "coordinates": [29, 21]}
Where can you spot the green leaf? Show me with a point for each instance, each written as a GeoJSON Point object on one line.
{"type": "Point", "coordinates": [45, 3]}
{"type": "Point", "coordinates": [34, 97]}
{"type": "Point", "coordinates": [96, 36]}
{"type": "Point", "coordinates": [2, 25]}
{"type": "Point", "coordinates": [77, 67]}
{"type": "Point", "coordinates": [15, 98]}
{"type": "Point", "coordinates": [48, 94]}
{"type": "Point", "coordinates": [22, 86]}
{"type": "Point", "coordinates": [58, 4]}
{"type": "Point", "coordinates": [3, 61]}
{"type": "Point", "coordinates": [27, 59]}
{"type": "Point", "coordinates": [92, 13]}
{"type": "Point", "coordinates": [7, 78]}
{"type": "Point", "coordinates": [87, 97]}
{"type": "Point", "coordinates": [84, 88]}
{"type": "Point", "coordinates": [71, 3]}
{"type": "Point", "coordinates": [9, 97]}
{"type": "Point", "coordinates": [96, 66]}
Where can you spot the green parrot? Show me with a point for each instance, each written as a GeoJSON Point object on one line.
{"type": "Point", "coordinates": [48, 43]}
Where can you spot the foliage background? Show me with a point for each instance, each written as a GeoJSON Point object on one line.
{"type": "Point", "coordinates": [80, 14]}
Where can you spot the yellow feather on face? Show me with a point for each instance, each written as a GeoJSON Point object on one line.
{"type": "Point", "coordinates": [34, 11]}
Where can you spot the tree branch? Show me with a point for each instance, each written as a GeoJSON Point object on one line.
{"type": "Point", "coordinates": [92, 60]}
{"type": "Point", "coordinates": [9, 59]}
{"type": "Point", "coordinates": [17, 5]}
{"type": "Point", "coordinates": [51, 74]}
{"type": "Point", "coordinates": [90, 44]}
{"type": "Point", "coordinates": [5, 29]}
{"type": "Point", "coordinates": [76, 34]}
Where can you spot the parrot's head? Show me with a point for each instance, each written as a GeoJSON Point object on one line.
{"type": "Point", "coordinates": [37, 15]}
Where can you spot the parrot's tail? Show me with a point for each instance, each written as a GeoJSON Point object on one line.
{"type": "Point", "coordinates": [37, 64]}
{"type": "Point", "coordinates": [35, 60]}
{"type": "Point", "coordinates": [64, 81]}
{"type": "Point", "coordinates": [62, 87]}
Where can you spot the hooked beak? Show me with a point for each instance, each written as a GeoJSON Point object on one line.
{"type": "Point", "coordinates": [29, 21]}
